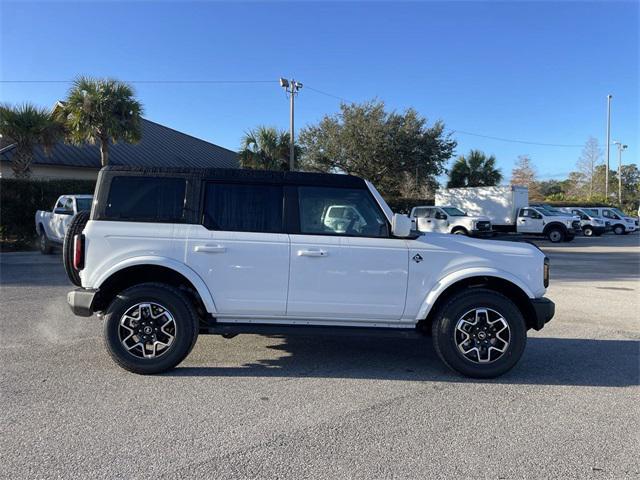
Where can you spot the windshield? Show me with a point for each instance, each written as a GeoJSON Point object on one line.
{"type": "Point", "coordinates": [84, 204]}
{"type": "Point", "coordinates": [454, 212]}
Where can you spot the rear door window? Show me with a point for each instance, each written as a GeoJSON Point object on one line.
{"type": "Point", "coordinates": [243, 208]}
{"type": "Point", "coordinates": [154, 199]}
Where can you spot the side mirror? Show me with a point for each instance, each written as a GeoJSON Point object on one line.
{"type": "Point", "coordinates": [400, 225]}
{"type": "Point", "coordinates": [63, 211]}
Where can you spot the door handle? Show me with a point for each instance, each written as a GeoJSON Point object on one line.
{"type": "Point", "coordinates": [312, 253]}
{"type": "Point", "coordinates": [210, 248]}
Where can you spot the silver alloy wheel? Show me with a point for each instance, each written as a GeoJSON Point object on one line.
{"type": "Point", "coordinates": [588, 232]}
{"type": "Point", "coordinates": [147, 330]}
{"type": "Point", "coordinates": [555, 236]}
{"type": "Point", "coordinates": [482, 335]}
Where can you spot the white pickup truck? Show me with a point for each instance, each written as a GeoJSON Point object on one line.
{"type": "Point", "coordinates": [167, 254]}
{"type": "Point", "coordinates": [52, 226]}
{"type": "Point", "coordinates": [447, 219]}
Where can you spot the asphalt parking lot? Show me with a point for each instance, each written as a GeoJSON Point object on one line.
{"type": "Point", "coordinates": [327, 407]}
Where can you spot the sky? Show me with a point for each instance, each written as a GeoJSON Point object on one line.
{"type": "Point", "coordinates": [534, 72]}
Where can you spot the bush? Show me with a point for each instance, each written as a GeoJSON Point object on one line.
{"type": "Point", "coordinates": [19, 200]}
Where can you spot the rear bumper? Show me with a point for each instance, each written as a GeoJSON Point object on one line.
{"type": "Point", "coordinates": [81, 301]}
{"type": "Point", "coordinates": [544, 310]}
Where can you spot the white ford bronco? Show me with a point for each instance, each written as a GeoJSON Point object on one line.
{"type": "Point", "coordinates": [167, 254]}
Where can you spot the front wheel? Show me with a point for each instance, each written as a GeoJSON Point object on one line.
{"type": "Point", "coordinates": [618, 230]}
{"type": "Point", "coordinates": [555, 235]}
{"type": "Point", "coordinates": [587, 231]}
{"type": "Point", "coordinates": [460, 231]}
{"type": "Point", "coordinates": [479, 333]}
{"type": "Point", "coordinates": [150, 328]}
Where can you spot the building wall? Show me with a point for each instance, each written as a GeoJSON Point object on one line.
{"type": "Point", "coordinates": [45, 172]}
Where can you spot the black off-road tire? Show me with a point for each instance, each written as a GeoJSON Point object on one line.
{"type": "Point", "coordinates": [181, 309]}
{"type": "Point", "coordinates": [555, 235]}
{"type": "Point", "coordinates": [43, 242]}
{"type": "Point", "coordinates": [444, 333]}
{"type": "Point", "coordinates": [78, 222]}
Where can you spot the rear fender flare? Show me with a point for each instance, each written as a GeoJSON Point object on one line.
{"type": "Point", "coordinates": [188, 273]}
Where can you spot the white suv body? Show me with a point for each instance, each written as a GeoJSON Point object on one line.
{"type": "Point", "coordinates": [448, 219]}
{"type": "Point", "coordinates": [253, 250]}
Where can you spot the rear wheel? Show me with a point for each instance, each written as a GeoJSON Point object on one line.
{"type": "Point", "coordinates": [480, 334]}
{"type": "Point", "coordinates": [43, 243]}
{"type": "Point", "coordinates": [555, 235]}
{"type": "Point", "coordinates": [150, 328]}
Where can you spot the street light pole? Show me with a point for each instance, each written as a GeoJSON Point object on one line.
{"type": "Point", "coordinates": [291, 87]}
{"type": "Point", "coordinates": [606, 173]}
{"type": "Point", "coordinates": [621, 148]}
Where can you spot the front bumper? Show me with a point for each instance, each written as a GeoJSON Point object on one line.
{"type": "Point", "coordinates": [81, 301]}
{"type": "Point", "coordinates": [544, 310]}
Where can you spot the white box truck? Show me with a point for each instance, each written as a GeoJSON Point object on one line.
{"type": "Point", "coordinates": [508, 209]}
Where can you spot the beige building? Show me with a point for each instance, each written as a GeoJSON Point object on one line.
{"type": "Point", "coordinates": [160, 146]}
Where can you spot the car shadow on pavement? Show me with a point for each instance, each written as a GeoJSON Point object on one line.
{"type": "Point", "coordinates": [546, 361]}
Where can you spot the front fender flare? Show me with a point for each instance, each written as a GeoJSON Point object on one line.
{"type": "Point", "coordinates": [448, 280]}
{"type": "Point", "coordinates": [181, 268]}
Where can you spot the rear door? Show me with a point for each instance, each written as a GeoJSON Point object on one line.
{"type": "Point", "coordinates": [359, 272]}
{"type": "Point", "coordinates": [240, 249]}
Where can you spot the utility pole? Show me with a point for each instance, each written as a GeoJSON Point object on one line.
{"type": "Point", "coordinates": [621, 148]}
{"type": "Point", "coordinates": [291, 87]}
{"type": "Point", "coordinates": [606, 173]}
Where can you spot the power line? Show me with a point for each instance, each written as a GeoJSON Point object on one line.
{"type": "Point", "coordinates": [511, 140]}
{"type": "Point", "coordinates": [321, 92]}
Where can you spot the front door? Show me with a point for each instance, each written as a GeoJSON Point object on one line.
{"type": "Point", "coordinates": [355, 271]}
{"type": "Point", "coordinates": [440, 221]}
{"type": "Point", "coordinates": [241, 250]}
{"type": "Point", "coordinates": [529, 221]}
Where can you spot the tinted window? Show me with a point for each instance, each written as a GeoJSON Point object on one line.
{"type": "Point", "coordinates": [243, 208]}
{"type": "Point", "coordinates": [146, 198]}
{"type": "Point", "coordinates": [358, 214]}
{"type": "Point", "coordinates": [84, 203]}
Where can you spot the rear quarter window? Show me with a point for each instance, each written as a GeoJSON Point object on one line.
{"type": "Point", "coordinates": [150, 199]}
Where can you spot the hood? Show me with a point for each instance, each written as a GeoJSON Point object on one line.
{"type": "Point", "coordinates": [468, 245]}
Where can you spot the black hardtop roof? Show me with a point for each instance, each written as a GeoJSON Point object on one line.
{"type": "Point", "coordinates": [242, 175]}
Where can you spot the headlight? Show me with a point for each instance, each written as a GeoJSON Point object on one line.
{"type": "Point", "coordinates": [545, 272]}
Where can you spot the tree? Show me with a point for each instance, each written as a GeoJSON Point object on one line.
{"type": "Point", "coordinates": [384, 147]}
{"type": "Point", "coordinates": [101, 111]}
{"type": "Point", "coordinates": [27, 126]}
{"type": "Point", "coordinates": [524, 174]}
{"type": "Point", "coordinates": [474, 170]}
{"type": "Point", "coordinates": [266, 148]}
{"type": "Point", "coordinates": [590, 158]}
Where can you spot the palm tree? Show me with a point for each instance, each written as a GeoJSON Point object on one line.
{"type": "Point", "coordinates": [265, 148]}
{"type": "Point", "coordinates": [28, 126]}
{"type": "Point", "coordinates": [474, 170]}
{"type": "Point", "coordinates": [101, 111]}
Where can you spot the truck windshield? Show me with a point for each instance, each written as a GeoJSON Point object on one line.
{"type": "Point", "coordinates": [84, 204]}
{"type": "Point", "coordinates": [454, 212]}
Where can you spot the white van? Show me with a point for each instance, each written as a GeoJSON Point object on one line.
{"type": "Point", "coordinates": [620, 223]}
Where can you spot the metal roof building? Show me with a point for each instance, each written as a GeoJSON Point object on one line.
{"type": "Point", "coordinates": [160, 146]}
